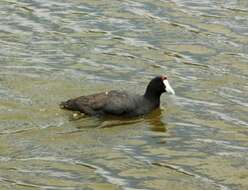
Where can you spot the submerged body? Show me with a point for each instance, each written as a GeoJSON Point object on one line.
{"type": "Point", "coordinates": [120, 103]}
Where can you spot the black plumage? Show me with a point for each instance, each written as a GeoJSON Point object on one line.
{"type": "Point", "coordinates": [121, 103]}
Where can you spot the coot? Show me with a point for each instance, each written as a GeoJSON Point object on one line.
{"type": "Point", "coordinates": [121, 103]}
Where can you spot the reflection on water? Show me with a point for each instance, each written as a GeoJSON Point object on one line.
{"type": "Point", "coordinates": [55, 50]}
{"type": "Point", "coordinates": [155, 121]}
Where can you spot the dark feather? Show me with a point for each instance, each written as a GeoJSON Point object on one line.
{"type": "Point", "coordinates": [119, 103]}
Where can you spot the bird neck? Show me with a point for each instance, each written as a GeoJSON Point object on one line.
{"type": "Point", "coordinates": [153, 97]}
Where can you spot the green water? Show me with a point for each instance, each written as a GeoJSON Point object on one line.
{"type": "Point", "coordinates": [51, 51]}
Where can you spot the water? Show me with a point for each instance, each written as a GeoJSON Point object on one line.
{"type": "Point", "coordinates": [55, 50]}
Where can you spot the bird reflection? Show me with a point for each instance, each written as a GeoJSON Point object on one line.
{"type": "Point", "coordinates": [155, 121]}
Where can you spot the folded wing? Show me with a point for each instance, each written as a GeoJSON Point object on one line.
{"type": "Point", "coordinates": [112, 102]}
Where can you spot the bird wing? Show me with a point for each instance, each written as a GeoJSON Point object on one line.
{"type": "Point", "coordinates": [112, 102]}
{"type": "Point", "coordinates": [91, 103]}
{"type": "Point", "coordinates": [119, 103]}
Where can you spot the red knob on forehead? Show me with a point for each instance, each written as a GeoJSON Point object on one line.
{"type": "Point", "coordinates": [163, 77]}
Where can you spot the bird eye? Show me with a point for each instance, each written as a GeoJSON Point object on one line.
{"type": "Point", "coordinates": [163, 78]}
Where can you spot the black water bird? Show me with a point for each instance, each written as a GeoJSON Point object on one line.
{"type": "Point", "coordinates": [121, 103]}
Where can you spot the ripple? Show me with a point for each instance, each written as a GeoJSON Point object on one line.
{"type": "Point", "coordinates": [103, 172]}
{"type": "Point", "coordinates": [224, 144]}
{"type": "Point", "coordinates": [7, 132]}
{"type": "Point", "coordinates": [114, 52]}
{"type": "Point", "coordinates": [193, 102]}
{"type": "Point", "coordinates": [33, 185]}
{"type": "Point", "coordinates": [177, 168]}
{"type": "Point", "coordinates": [136, 42]}
{"type": "Point", "coordinates": [234, 95]}
{"type": "Point", "coordinates": [226, 117]}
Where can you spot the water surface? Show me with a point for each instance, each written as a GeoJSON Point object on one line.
{"type": "Point", "coordinates": [54, 50]}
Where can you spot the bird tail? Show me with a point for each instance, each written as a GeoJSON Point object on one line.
{"type": "Point", "coordinates": [69, 104]}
